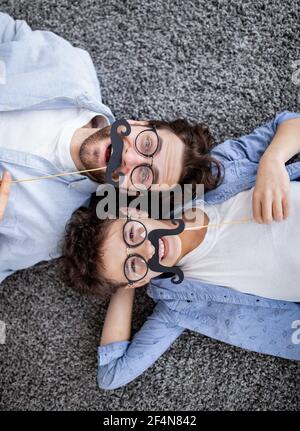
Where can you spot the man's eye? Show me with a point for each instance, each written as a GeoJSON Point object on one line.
{"type": "Point", "coordinates": [147, 143]}
{"type": "Point", "coordinates": [131, 234]}
{"type": "Point", "coordinates": [147, 146]}
{"type": "Point", "coordinates": [144, 175]}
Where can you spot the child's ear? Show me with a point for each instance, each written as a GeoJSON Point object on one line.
{"type": "Point", "coordinates": [136, 284]}
{"type": "Point", "coordinates": [130, 286]}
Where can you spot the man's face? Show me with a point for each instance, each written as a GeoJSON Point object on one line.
{"type": "Point", "coordinates": [167, 162]}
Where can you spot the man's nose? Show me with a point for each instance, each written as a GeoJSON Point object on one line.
{"type": "Point", "coordinates": [130, 158]}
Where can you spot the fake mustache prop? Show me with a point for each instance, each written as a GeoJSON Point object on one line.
{"type": "Point", "coordinates": [153, 263]}
{"type": "Point", "coordinates": [117, 143]}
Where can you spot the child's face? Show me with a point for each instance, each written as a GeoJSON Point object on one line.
{"type": "Point", "coordinates": [115, 250]}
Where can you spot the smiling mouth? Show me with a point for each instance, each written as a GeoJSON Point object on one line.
{"type": "Point", "coordinates": [108, 154]}
{"type": "Point", "coordinates": [163, 248]}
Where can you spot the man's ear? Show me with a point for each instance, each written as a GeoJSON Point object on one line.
{"type": "Point", "coordinates": [138, 122]}
{"type": "Point", "coordinates": [134, 213]}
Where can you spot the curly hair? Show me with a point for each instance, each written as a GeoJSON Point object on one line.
{"type": "Point", "coordinates": [197, 161]}
{"type": "Point", "coordinates": [85, 234]}
{"type": "Point", "coordinates": [82, 257]}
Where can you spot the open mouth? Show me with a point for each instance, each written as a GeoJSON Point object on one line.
{"type": "Point", "coordinates": [163, 248]}
{"type": "Point", "coordinates": [108, 154]}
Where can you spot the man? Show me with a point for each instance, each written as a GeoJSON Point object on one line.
{"type": "Point", "coordinates": [52, 120]}
{"type": "Point", "coordinates": [45, 111]}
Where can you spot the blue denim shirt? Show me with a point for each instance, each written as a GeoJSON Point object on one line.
{"type": "Point", "coordinates": [40, 70]}
{"type": "Point", "coordinates": [247, 321]}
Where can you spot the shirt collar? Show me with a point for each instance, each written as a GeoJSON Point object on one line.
{"type": "Point", "coordinates": [84, 185]}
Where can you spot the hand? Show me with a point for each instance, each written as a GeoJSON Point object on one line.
{"type": "Point", "coordinates": [4, 192]}
{"type": "Point", "coordinates": [271, 195]}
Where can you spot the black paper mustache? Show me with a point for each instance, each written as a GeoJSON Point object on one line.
{"type": "Point", "coordinates": [153, 263]}
{"type": "Point", "coordinates": [117, 143]}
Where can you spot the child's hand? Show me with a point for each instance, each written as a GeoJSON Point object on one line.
{"type": "Point", "coordinates": [4, 192]}
{"type": "Point", "coordinates": [271, 195]}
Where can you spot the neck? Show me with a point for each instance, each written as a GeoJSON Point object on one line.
{"type": "Point", "coordinates": [190, 239]}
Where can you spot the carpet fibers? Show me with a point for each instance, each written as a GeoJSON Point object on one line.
{"type": "Point", "coordinates": [231, 64]}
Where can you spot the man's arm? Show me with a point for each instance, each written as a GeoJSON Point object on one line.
{"type": "Point", "coordinates": [4, 192]}
{"type": "Point", "coordinates": [11, 29]}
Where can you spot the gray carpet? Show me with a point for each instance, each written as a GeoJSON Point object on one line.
{"type": "Point", "coordinates": [227, 63]}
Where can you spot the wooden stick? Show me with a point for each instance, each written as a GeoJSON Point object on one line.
{"type": "Point", "coordinates": [247, 220]}
{"type": "Point", "coordinates": [46, 177]}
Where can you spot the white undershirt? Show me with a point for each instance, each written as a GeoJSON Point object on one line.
{"type": "Point", "coordinates": [258, 259]}
{"type": "Point", "coordinates": [46, 133]}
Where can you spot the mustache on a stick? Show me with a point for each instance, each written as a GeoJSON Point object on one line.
{"type": "Point", "coordinates": [154, 263]}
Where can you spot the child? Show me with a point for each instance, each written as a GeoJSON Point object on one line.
{"type": "Point", "coordinates": [241, 281]}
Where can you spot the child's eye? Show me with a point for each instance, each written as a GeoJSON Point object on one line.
{"type": "Point", "coordinates": [133, 266]}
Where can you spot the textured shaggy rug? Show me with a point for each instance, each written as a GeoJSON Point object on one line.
{"type": "Point", "coordinates": [226, 63]}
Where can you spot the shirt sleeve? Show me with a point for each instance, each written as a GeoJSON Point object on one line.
{"type": "Point", "coordinates": [11, 29]}
{"type": "Point", "coordinates": [121, 362]}
{"type": "Point", "coordinates": [252, 146]}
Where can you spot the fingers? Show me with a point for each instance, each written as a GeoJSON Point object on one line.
{"type": "Point", "coordinates": [267, 208]}
{"type": "Point", "coordinates": [277, 211]}
{"type": "Point", "coordinates": [286, 206]}
{"type": "Point", "coordinates": [256, 208]}
{"type": "Point", "coordinates": [4, 192]}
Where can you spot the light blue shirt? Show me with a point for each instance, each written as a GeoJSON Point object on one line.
{"type": "Point", "coordinates": [247, 321]}
{"type": "Point", "coordinates": [40, 70]}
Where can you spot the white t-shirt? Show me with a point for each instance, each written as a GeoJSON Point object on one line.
{"type": "Point", "coordinates": [46, 133]}
{"type": "Point", "coordinates": [258, 259]}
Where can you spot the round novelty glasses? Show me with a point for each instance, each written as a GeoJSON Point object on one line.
{"type": "Point", "coordinates": [135, 266]}
{"type": "Point", "coordinates": [147, 143]}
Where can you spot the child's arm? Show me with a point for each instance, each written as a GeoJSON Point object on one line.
{"type": "Point", "coordinates": [117, 324]}
{"type": "Point", "coordinates": [286, 142]}
{"type": "Point", "coordinates": [120, 362]}
{"type": "Point", "coordinates": [269, 146]}
{"type": "Point", "coordinates": [271, 195]}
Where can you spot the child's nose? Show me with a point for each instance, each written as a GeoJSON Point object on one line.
{"type": "Point", "coordinates": [148, 250]}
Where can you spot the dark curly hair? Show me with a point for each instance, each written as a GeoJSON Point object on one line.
{"type": "Point", "coordinates": [197, 161]}
{"type": "Point", "coordinates": [85, 234]}
{"type": "Point", "coordinates": [82, 257]}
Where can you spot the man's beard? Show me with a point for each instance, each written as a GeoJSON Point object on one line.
{"type": "Point", "coordinates": [89, 146]}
